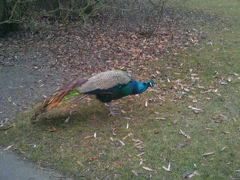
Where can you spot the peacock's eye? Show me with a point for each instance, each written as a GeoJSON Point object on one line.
{"type": "Point", "coordinates": [151, 84]}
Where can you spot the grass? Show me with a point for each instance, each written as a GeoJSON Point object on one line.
{"type": "Point", "coordinates": [71, 150]}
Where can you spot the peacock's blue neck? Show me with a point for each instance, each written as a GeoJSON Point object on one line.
{"type": "Point", "coordinates": [136, 87]}
{"type": "Point", "coordinates": [133, 87]}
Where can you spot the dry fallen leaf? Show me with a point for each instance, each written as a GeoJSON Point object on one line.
{"type": "Point", "coordinates": [194, 100]}
{"type": "Point", "coordinates": [130, 99]}
{"type": "Point", "coordinates": [88, 99]}
{"type": "Point", "coordinates": [52, 129]}
{"type": "Point", "coordinates": [88, 137]}
{"type": "Point", "coordinates": [79, 163]}
{"type": "Point", "coordinates": [93, 158]}
{"type": "Point", "coordinates": [128, 135]}
{"type": "Point", "coordinates": [156, 131]}
{"type": "Point", "coordinates": [214, 117]}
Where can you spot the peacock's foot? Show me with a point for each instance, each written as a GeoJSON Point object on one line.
{"type": "Point", "coordinates": [114, 110]}
{"type": "Point", "coordinates": [113, 113]}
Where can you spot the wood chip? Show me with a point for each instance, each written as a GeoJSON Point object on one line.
{"type": "Point", "coordinates": [67, 119]}
{"type": "Point", "coordinates": [184, 134]}
{"type": "Point", "coordinates": [190, 174]}
{"type": "Point", "coordinates": [200, 87]}
{"type": "Point", "coordinates": [146, 103]}
{"type": "Point", "coordinates": [140, 148]}
{"type": "Point", "coordinates": [79, 163]}
{"type": "Point", "coordinates": [137, 141]}
{"type": "Point", "coordinates": [7, 148]}
{"type": "Point", "coordinates": [168, 168]}
{"type": "Point", "coordinates": [195, 109]}
{"type": "Point", "coordinates": [114, 130]}
{"type": "Point", "coordinates": [142, 153]}
{"type": "Point", "coordinates": [235, 74]}
{"type": "Point", "coordinates": [223, 148]}
{"type": "Point", "coordinates": [208, 154]}
{"type": "Point", "coordinates": [134, 172]}
{"type": "Point", "coordinates": [122, 142]}
{"type": "Point", "coordinates": [208, 129]}
{"type": "Point", "coordinates": [160, 118]}
{"type": "Point", "coordinates": [147, 168]}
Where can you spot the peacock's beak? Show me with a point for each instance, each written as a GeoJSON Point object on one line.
{"type": "Point", "coordinates": [152, 84]}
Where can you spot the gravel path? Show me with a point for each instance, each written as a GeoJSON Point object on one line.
{"type": "Point", "coordinates": [16, 168]}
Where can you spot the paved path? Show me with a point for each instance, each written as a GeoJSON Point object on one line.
{"type": "Point", "coordinates": [13, 167]}
{"type": "Point", "coordinates": [23, 82]}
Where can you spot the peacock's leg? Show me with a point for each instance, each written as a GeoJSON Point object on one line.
{"type": "Point", "coordinates": [114, 110]}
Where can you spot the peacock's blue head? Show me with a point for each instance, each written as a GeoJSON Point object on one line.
{"type": "Point", "coordinates": [142, 86]}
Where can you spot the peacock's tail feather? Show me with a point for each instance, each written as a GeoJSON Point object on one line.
{"type": "Point", "coordinates": [67, 92]}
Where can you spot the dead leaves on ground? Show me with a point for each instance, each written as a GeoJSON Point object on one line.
{"type": "Point", "coordinates": [52, 129]}
{"type": "Point", "coordinates": [98, 47]}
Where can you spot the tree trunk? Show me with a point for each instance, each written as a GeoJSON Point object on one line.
{"type": "Point", "coordinates": [3, 9]}
{"type": "Point", "coordinates": [4, 15]}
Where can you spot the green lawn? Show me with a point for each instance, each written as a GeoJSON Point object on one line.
{"type": "Point", "coordinates": [206, 77]}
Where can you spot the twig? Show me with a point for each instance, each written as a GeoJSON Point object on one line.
{"type": "Point", "coordinates": [14, 9]}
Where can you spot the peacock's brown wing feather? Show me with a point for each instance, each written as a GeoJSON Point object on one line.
{"type": "Point", "coordinates": [104, 81]}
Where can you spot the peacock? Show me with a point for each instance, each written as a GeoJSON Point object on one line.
{"type": "Point", "coordinates": [107, 86]}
